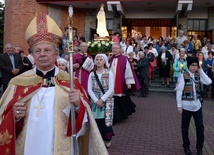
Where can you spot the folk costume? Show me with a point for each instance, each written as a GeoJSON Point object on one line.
{"type": "Point", "coordinates": [103, 115]}
{"type": "Point", "coordinates": [123, 76]}
{"type": "Point", "coordinates": [189, 99]}
{"type": "Point", "coordinates": [46, 127]}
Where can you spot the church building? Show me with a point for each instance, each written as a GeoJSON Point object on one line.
{"type": "Point", "coordinates": [129, 17]}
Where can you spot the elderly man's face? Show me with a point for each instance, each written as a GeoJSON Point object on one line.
{"type": "Point", "coordinates": [44, 56]}
{"type": "Point", "coordinates": [116, 49]}
{"type": "Point", "coordinates": [141, 55]}
{"type": "Point", "coordinates": [181, 33]}
{"type": "Point", "coordinates": [84, 47]}
{"type": "Point", "coordinates": [9, 49]}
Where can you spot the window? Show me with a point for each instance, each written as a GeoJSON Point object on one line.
{"type": "Point", "coordinates": [197, 25]}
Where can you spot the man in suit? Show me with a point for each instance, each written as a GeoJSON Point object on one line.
{"type": "Point", "coordinates": [143, 67]}
{"type": "Point", "coordinates": [10, 65]}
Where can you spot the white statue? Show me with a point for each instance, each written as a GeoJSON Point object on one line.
{"type": "Point", "coordinates": [101, 24]}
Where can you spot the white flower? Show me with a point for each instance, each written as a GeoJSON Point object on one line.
{"type": "Point", "coordinates": [99, 44]}
{"type": "Point", "coordinates": [103, 42]}
{"type": "Point", "coordinates": [111, 42]}
{"type": "Point", "coordinates": [95, 42]}
{"type": "Point", "coordinates": [92, 45]}
{"type": "Point", "coordinates": [107, 44]}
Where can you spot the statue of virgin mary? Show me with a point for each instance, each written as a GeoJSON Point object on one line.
{"type": "Point", "coordinates": [101, 23]}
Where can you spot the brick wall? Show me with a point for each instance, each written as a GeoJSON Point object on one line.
{"type": "Point", "coordinates": [19, 13]}
{"type": "Point", "coordinates": [78, 19]}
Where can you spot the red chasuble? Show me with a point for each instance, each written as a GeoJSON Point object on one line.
{"type": "Point", "coordinates": [8, 126]}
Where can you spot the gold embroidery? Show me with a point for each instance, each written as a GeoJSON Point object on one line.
{"type": "Point", "coordinates": [64, 76]}
{"type": "Point", "coordinates": [25, 90]}
{"type": "Point", "coordinates": [32, 79]}
{"type": "Point", "coordinates": [19, 97]}
{"type": "Point", "coordinates": [7, 151]}
{"type": "Point", "coordinates": [81, 94]}
{"type": "Point", "coordinates": [5, 138]}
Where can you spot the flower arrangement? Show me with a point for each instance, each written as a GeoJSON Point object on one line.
{"type": "Point", "coordinates": [102, 46]}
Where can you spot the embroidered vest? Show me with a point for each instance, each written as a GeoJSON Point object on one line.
{"type": "Point", "coordinates": [99, 112]}
{"type": "Point", "coordinates": [188, 93]}
{"type": "Point", "coordinates": [104, 82]}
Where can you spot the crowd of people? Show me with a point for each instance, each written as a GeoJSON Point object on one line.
{"type": "Point", "coordinates": [108, 81]}
{"type": "Point", "coordinates": [170, 56]}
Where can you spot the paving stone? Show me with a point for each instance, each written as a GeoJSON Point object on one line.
{"type": "Point", "coordinates": [155, 128]}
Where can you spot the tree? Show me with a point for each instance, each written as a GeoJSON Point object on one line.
{"type": "Point", "coordinates": [1, 26]}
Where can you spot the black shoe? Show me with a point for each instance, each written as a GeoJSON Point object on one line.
{"type": "Point", "coordinates": [168, 85]}
{"type": "Point", "coordinates": [199, 152]}
{"type": "Point", "coordinates": [187, 151]}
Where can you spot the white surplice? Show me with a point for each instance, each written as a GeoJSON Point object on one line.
{"type": "Point", "coordinates": [40, 130]}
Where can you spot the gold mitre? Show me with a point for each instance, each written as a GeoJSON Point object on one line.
{"type": "Point", "coordinates": [43, 29]}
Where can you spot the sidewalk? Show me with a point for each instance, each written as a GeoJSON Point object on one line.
{"type": "Point", "coordinates": [155, 128]}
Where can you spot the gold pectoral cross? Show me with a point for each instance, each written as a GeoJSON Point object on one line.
{"type": "Point", "coordinates": [38, 108]}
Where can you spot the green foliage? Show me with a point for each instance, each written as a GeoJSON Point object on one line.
{"type": "Point", "coordinates": [2, 7]}
{"type": "Point", "coordinates": [100, 46]}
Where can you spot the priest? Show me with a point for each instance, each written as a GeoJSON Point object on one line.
{"type": "Point", "coordinates": [125, 81]}
{"type": "Point", "coordinates": [35, 108]}
{"type": "Point", "coordinates": [83, 65]}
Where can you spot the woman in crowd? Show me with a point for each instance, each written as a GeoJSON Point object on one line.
{"type": "Point", "coordinates": [203, 66]}
{"type": "Point", "coordinates": [175, 55]}
{"type": "Point", "coordinates": [129, 47]}
{"type": "Point", "coordinates": [25, 61]}
{"type": "Point", "coordinates": [151, 58]}
{"type": "Point", "coordinates": [202, 62]}
{"type": "Point", "coordinates": [210, 70]}
{"type": "Point", "coordinates": [187, 46]}
{"type": "Point", "coordinates": [100, 89]}
{"type": "Point", "coordinates": [133, 62]}
{"type": "Point", "coordinates": [164, 58]}
{"type": "Point", "coordinates": [180, 65]}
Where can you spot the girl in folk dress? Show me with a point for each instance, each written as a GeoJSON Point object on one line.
{"type": "Point", "coordinates": [100, 89]}
{"type": "Point", "coordinates": [62, 64]}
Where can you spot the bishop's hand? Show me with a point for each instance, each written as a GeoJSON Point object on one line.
{"type": "Point", "coordinates": [74, 97]}
{"type": "Point", "coordinates": [19, 110]}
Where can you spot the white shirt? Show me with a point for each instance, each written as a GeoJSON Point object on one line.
{"type": "Point", "coordinates": [194, 105]}
{"type": "Point", "coordinates": [179, 41]}
{"type": "Point", "coordinates": [205, 52]}
{"type": "Point", "coordinates": [30, 57]}
{"type": "Point", "coordinates": [136, 56]}
{"type": "Point", "coordinates": [123, 46]}
{"type": "Point", "coordinates": [154, 51]}
{"type": "Point", "coordinates": [129, 49]}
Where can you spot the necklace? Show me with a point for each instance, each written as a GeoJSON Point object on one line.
{"type": "Point", "coordinates": [39, 106]}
